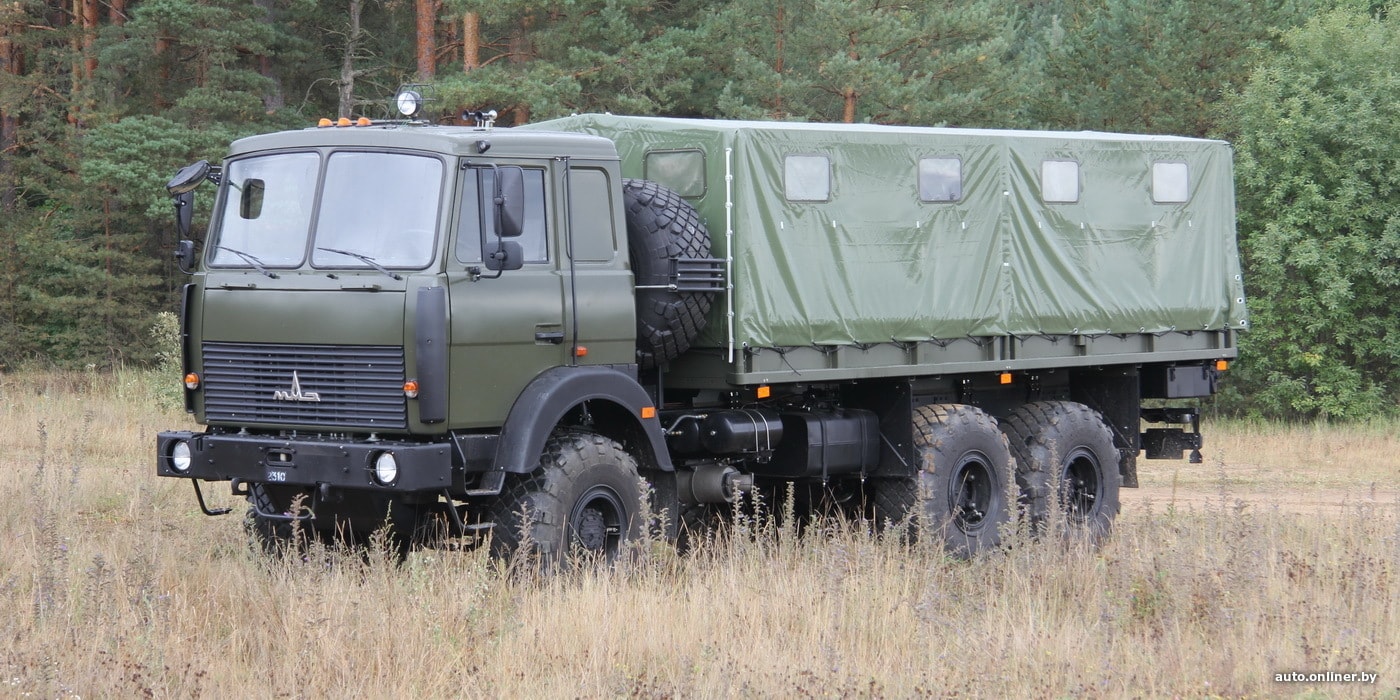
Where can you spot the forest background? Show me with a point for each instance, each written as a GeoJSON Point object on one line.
{"type": "Point", "coordinates": [102, 100]}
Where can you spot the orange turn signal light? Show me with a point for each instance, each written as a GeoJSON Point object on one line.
{"type": "Point", "coordinates": [1005, 378]}
{"type": "Point", "coordinates": [191, 381]}
{"type": "Point", "coordinates": [410, 388]}
{"type": "Point", "coordinates": [580, 351]}
{"type": "Point", "coordinates": [1222, 365]}
{"type": "Point", "coordinates": [648, 412]}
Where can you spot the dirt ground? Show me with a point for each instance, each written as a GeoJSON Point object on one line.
{"type": "Point", "coordinates": [1321, 500]}
{"type": "Point", "coordinates": [1304, 469]}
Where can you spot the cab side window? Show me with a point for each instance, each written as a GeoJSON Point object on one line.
{"type": "Point", "coordinates": [476, 222]}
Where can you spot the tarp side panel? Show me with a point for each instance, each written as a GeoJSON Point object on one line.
{"type": "Point", "coordinates": [872, 263]}
{"type": "Point", "coordinates": [1115, 261]}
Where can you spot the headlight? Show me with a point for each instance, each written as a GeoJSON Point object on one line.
{"type": "Point", "coordinates": [180, 456]}
{"type": "Point", "coordinates": [386, 468]}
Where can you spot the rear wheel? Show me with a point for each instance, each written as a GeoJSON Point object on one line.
{"type": "Point", "coordinates": [1065, 452]}
{"type": "Point", "coordinates": [958, 494]}
{"type": "Point", "coordinates": [583, 498]}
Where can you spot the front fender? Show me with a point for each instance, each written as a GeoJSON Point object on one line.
{"type": "Point", "coordinates": [615, 398]}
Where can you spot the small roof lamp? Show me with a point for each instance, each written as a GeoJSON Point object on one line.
{"type": "Point", "coordinates": [409, 102]}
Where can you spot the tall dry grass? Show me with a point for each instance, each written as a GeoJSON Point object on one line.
{"type": "Point", "coordinates": [113, 585]}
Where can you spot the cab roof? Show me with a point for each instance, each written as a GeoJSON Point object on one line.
{"type": "Point", "coordinates": [449, 140]}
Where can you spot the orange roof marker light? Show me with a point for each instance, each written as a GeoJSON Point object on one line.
{"type": "Point", "coordinates": [363, 121]}
{"type": "Point", "coordinates": [325, 122]}
{"type": "Point", "coordinates": [343, 121]}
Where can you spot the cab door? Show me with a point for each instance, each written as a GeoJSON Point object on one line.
{"type": "Point", "coordinates": [507, 326]}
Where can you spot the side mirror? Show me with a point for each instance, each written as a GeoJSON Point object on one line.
{"type": "Point", "coordinates": [508, 256]}
{"type": "Point", "coordinates": [509, 200]}
{"type": "Point", "coordinates": [188, 178]}
{"type": "Point", "coordinates": [184, 255]}
{"type": "Point", "coordinates": [184, 213]}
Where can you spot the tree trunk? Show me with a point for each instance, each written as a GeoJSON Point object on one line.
{"type": "Point", "coordinates": [89, 20]}
{"type": "Point", "coordinates": [520, 54]}
{"type": "Point", "coordinates": [778, 63]}
{"type": "Point", "coordinates": [426, 14]}
{"type": "Point", "coordinates": [9, 124]}
{"type": "Point", "coordinates": [347, 61]}
{"type": "Point", "coordinates": [116, 12]}
{"type": "Point", "coordinates": [848, 93]}
{"type": "Point", "coordinates": [73, 18]}
{"type": "Point", "coordinates": [273, 99]}
{"type": "Point", "coordinates": [471, 42]}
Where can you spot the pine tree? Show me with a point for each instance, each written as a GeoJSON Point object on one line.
{"type": "Point", "coordinates": [871, 61]}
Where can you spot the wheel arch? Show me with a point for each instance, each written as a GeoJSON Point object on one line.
{"type": "Point", "coordinates": [611, 396]}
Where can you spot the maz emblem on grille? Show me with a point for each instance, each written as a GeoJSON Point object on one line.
{"type": "Point", "coordinates": [296, 394]}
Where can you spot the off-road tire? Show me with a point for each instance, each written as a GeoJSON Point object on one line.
{"type": "Point", "coordinates": [662, 226]}
{"type": "Point", "coordinates": [959, 494]}
{"type": "Point", "coordinates": [1066, 446]}
{"type": "Point", "coordinates": [584, 497]}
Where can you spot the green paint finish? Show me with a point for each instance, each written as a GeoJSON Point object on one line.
{"type": "Point", "coordinates": [875, 263]}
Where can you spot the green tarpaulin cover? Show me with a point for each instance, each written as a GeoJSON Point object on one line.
{"type": "Point", "coordinates": [838, 239]}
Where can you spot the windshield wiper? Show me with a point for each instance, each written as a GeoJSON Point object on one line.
{"type": "Point", "coordinates": [364, 259]}
{"type": "Point", "coordinates": [247, 258]}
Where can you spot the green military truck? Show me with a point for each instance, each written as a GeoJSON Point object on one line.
{"type": "Point", "coordinates": [528, 331]}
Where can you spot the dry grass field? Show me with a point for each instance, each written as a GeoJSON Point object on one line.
{"type": "Point", "coordinates": [1281, 553]}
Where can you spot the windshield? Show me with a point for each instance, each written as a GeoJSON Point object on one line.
{"type": "Point", "coordinates": [267, 211]}
{"type": "Point", "coordinates": [380, 205]}
{"type": "Point", "coordinates": [376, 210]}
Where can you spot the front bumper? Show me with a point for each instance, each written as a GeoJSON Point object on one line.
{"type": "Point", "coordinates": [311, 461]}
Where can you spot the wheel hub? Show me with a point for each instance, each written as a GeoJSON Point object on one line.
{"type": "Point", "coordinates": [973, 493]}
{"type": "Point", "coordinates": [1079, 484]}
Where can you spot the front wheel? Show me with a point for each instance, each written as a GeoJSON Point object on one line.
{"type": "Point", "coordinates": [584, 498]}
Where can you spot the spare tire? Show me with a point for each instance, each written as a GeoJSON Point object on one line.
{"type": "Point", "coordinates": [660, 227]}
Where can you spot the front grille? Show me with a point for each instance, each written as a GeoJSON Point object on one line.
{"type": "Point", "coordinates": [358, 386]}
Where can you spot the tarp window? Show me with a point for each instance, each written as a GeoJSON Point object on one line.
{"type": "Point", "coordinates": [807, 178]}
{"type": "Point", "coordinates": [682, 171]}
{"type": "Point", "coordinates": [1059, 181]}
{"type": "Point", "coordinates": [1170, 182]}
{"type": "Point", "coordinates": [940, 179]}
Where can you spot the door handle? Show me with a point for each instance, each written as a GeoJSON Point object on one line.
{"type": "Point", "coordinates": [552, 337]}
